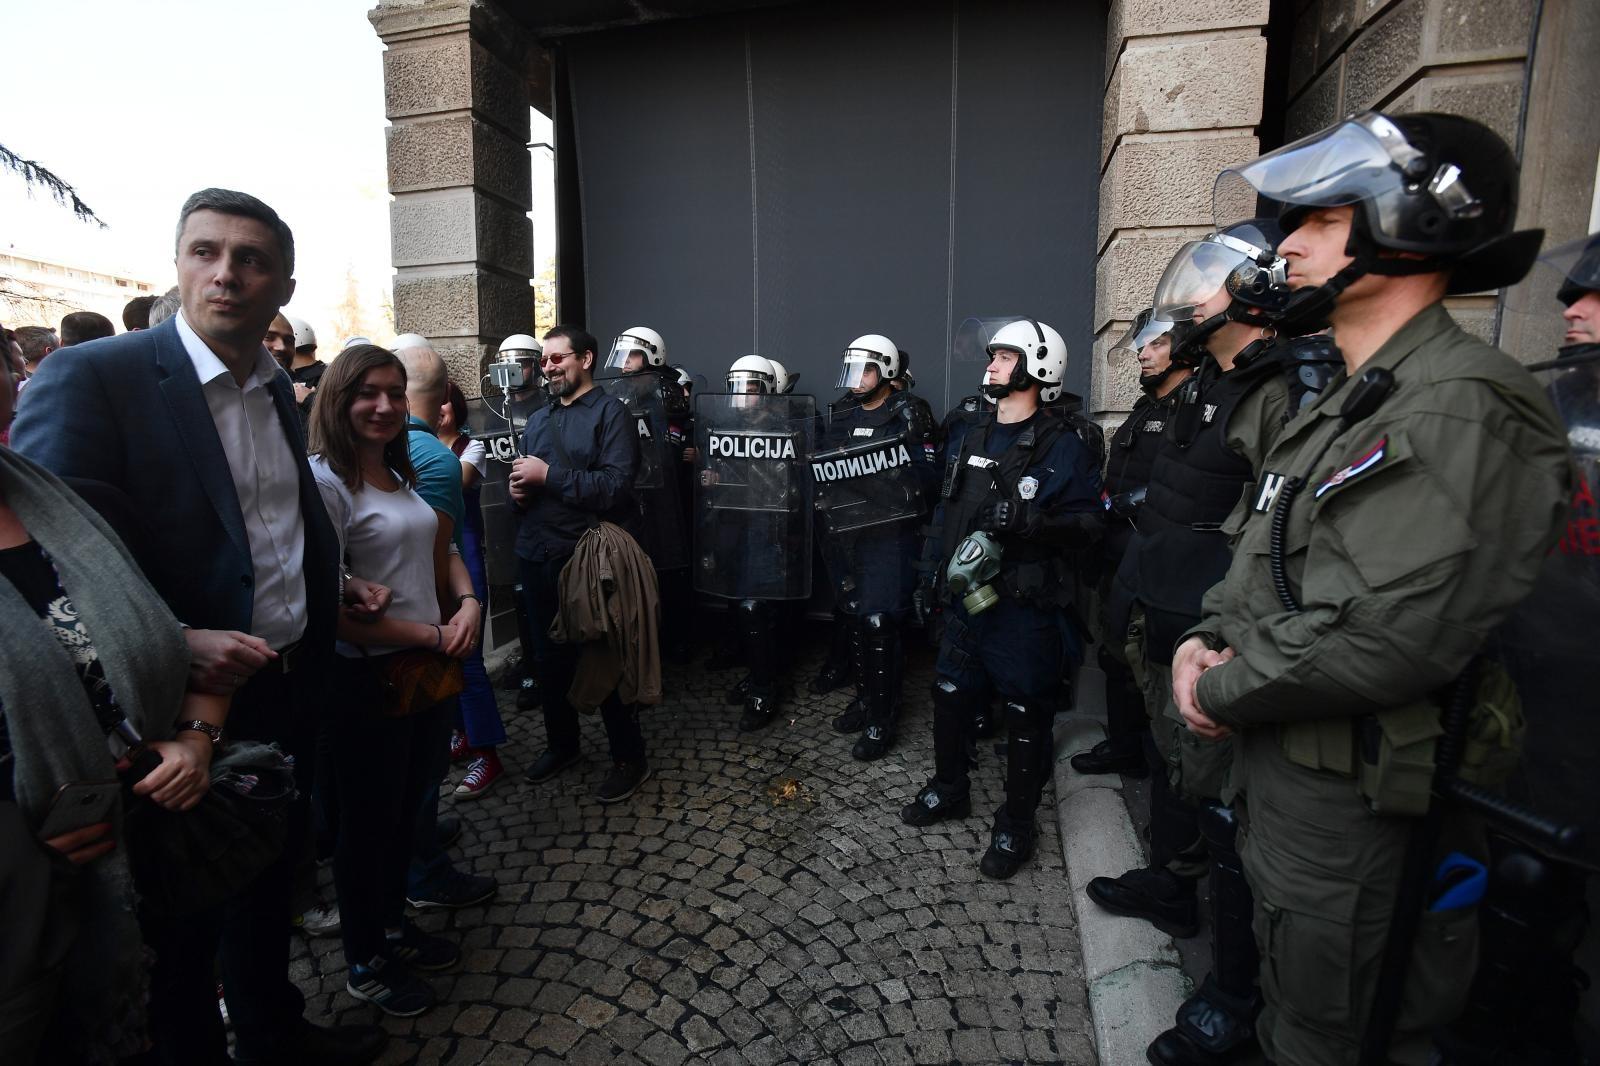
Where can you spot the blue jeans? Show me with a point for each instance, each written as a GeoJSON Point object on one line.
{"type": "Point", "coordinates": [480, 715]}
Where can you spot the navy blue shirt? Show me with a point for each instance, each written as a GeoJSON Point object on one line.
{"type": "Point", "coordinates": [593, 451]}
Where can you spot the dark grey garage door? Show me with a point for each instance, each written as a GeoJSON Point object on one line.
{"type": "Point", "coordinates": [783, 181]}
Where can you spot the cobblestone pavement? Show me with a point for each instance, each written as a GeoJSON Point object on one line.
{"type": "Point", "coordinates": [758, 901]}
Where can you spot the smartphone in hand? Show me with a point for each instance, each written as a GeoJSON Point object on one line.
{"type": "Point", "coordinates": [77, 805]}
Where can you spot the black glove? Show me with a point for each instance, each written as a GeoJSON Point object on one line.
{"type": "Point", "coordinates": [1008, 516]}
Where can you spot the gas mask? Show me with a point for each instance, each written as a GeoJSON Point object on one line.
{"type": "Point", "coordinates": [976, 562]}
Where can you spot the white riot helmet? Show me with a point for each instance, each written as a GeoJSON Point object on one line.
{"type": "Point", "coordinates": [783, 380]}
{"type": "Point", "coordinates": [752, 373]}
{"type": "Point", "coordinates": [1044, 356]}
{"type": "Point", "coordinates": [874, 349]}
{"type": "Point", "coordinates": [641, 339]}
{"type": "Point", "coordinates": [520, 346]}
{"type": "Point", "coordinates": [304, 335]}
{"type": "Point", "coordinates": [409, 340]}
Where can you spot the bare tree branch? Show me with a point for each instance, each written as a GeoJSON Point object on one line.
{"type": "Point", "coordinates": [33, 173]}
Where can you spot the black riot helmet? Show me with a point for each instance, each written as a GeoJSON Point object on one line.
{"type": "Point", "coordinates": [1579, 264]}
{"type": "Point", "coordinates": [1146, 328]}
{"type": "Point", "coordinates": [1241, 259]}
{"type": "Point", "coordinates": [1440, 188]}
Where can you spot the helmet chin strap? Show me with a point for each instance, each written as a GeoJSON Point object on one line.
{"type": "Point", "coordinates": [1149, 383]}
{"type": "Point", "coordinates": [1019, 380]}
{"type": "Point", "coordinates": [1309, 310]}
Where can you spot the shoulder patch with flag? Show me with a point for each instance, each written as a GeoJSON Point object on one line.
{"type": "Point", "coordinates": [1366, 462]}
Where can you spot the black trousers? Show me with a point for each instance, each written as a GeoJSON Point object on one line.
{"type": "Point", "coordinates": [246, 941]}
{"type": "Point", "coordinates": [555, 664]}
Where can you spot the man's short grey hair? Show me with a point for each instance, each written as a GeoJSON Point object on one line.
{"type": "Point", "coordinates": [165, 307]}
{"type": "Point", "coordinates": [229, 202]}
{"type": "Point", "coordinates": [426, 374]}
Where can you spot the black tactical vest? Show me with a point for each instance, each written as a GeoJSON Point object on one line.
{"type": "Point", "coordinates": [1028, 571]}
{"type": "Point", "coordinates": [1134, 445]}
{"type": "Point", "coordinates": [1195, 481]}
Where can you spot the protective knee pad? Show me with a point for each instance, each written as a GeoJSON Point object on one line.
{"type": "Point", "coordinates": [880, 640]}
{"type": "Point", "coordinates": [953, 709]}
{"type": "Point", "coordinates": [1027, 755]}
{"type": "Point", "coordinates": [1219, 825]}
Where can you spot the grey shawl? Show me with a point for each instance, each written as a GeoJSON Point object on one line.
{"type": "Point", "coordinates": [56, 738]}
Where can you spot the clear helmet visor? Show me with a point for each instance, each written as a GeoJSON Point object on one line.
{"type": "Point", "coordinates": [627, 358]}
{"type": "Point", "coordinates": [1364, 159]}
{"type": "Point", "coordinates": [1140, 334]}
{"type": "Point", "coordinates": [857, 371]}
{"type": "Point", "coordinates": [1574, 267]}
{"type": "Point", "coordinates": [745, 382]}
{"type": "Point", "coordinates": [1196, 274]}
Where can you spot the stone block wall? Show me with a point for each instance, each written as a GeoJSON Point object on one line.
{"type": "Point", "coordinates": [1184, 83]}
{"type": "Point", "coordinates": [456, 96]}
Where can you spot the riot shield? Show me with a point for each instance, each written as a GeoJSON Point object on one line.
{"type": "Point", "coordinates": [867, 484]}
{"type": "Point", "coordinates": [660, 528]}
{"type": "Point", "coordinates": [1548, 644]}
{"type": "Point", "coordinates": [753, 495]}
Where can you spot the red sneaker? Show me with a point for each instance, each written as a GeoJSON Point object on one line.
{"type": "Point", "coordinates": [481, 775]}
{"type": "Point", "coordinates": [460, 750]}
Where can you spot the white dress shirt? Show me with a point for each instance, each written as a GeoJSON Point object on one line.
{"type": "Point", "coordinates": [266, 476]}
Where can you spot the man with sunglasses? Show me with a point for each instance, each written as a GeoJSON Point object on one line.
{"type": "Point", "coordinates": [579, 455]}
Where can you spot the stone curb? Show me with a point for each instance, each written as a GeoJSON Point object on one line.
{"type": "Point", "coordinates": [1133, 972]}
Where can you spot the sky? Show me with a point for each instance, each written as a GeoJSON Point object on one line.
{"type": "Point", "coordinates": [139, 105]}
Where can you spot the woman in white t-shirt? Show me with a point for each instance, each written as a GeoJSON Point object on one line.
{"type": "Point", "coordinates": [387, 533]}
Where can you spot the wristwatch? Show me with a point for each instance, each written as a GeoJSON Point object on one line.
{"type": "Point", "coordinates": [197, 726]}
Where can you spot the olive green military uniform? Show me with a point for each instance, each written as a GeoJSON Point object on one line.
{"type": "Point", "coordinates": [1415, 534]}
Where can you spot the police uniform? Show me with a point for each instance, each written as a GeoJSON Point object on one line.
{"type": "Point", "coordinates": [871, 570]}
{"type": "Point", "coordinates": [1417, 531]}
{"type": "Point", "coordinates": [1019, 646]}
{"type": "Point", "coordinates": [1131, 456]}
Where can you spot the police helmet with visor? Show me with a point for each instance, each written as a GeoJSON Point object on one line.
{"type": "Point", "coordinates": [874, 350]}
{"type": "Point", "coordinates": [641, 341]}
{"type": "Point", "coordinates": [1431, 192]}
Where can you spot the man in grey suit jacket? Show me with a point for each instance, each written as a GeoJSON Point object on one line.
{"type": "Point", "coordinates": [192, 426]}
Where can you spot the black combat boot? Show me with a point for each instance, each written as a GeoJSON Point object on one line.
{"type": "Point", "coordinates": [880, 644]}
{"type": "Point", "coordinates": [1216, 1025]}
{"type": "Point", "coordinates": [937, 802]}
{"type": "Point", "coordinates": [1011, 843]}
{"type": "Point", "coordinates": [1122, 752]}
{"type": "Point", "coordinates": [1028, 749]}
{"type": "Point", "coordinates": [948, 794]}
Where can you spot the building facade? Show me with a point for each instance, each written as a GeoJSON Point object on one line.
{"type": "Point", "coordinates": [36, 291]}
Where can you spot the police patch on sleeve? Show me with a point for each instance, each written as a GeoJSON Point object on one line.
{"type": "Point", "coordinates": [1366, 462]}
{"type": "Point", "coordinates": [1028, 488]}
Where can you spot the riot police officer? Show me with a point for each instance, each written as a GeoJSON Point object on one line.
{"type": "Point", "coordinates": [753, 516]}
{"type": "Point", "coordinates": [515, 407]}
{"type": "Point", "coordinates": [638, 375]}
{"type": "Point", "coordinates": [873, 472]}
{"type": "Point", "coordinates": [1149, 342]}
{"type": "Point", "coordinates": [1016, 492]}
{"type": "Point", "coordinates": [1391, 527]}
